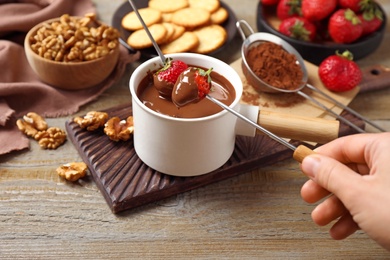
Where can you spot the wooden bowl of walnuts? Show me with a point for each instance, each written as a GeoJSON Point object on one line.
{"type": "Point", "coordinates": [71, 52]}
{"type": "Point", "coordinates": [327, 29]}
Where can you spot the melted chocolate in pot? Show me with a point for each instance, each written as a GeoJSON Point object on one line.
{"type": "Point", "coordinates": [221, 89]}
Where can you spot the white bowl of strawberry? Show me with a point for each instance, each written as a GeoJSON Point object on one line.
{"type": "Point", "coordinates": [319, 28]}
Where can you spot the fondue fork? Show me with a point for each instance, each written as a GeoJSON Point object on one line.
{"type": "Point", "coordinates": [155, 45]}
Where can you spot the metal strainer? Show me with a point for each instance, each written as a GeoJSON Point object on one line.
{"type": "Point", "coordinates": [254, 39]}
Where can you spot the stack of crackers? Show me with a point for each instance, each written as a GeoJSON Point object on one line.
{"type": "Point", "coordinates": [179, 26]}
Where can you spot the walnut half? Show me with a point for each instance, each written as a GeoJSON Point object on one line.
{"type": "Point", "coordinates": [31, 124]}
{"type": "Point", "coordinates": [117, 129]}
{"type": "Point", "coordinates": [92, 120]}
{"type": "Point", "coordinates": [72, 171]}
{"type": "Point", "coordinates": [51, 138]}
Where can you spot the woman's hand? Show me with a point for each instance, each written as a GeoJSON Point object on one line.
{"type": "Point", "coordinates": [352, 173]}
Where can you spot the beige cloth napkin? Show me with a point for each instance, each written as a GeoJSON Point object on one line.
{"type": "Point", "coordinates": [21, 91]}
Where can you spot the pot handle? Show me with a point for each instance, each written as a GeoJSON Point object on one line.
{"type": "Point", "coordinates": [301, 128]}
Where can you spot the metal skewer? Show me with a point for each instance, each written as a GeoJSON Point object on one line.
{"type": "Point", "coordinates": [156, 47]}
{"type": "Point", "coordinates": [252, 123]}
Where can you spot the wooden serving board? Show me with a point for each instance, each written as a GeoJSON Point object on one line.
{"type": "Point", "coordinates": [126, 182]}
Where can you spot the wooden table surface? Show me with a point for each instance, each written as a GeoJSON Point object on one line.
{"type": "Point", "coordinates": [258, 214]}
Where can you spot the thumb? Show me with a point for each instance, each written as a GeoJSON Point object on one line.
{"type": "Point", "coordinates": [332, 175]}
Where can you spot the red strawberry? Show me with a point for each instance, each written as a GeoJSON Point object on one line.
{"type": "Point", "coordinates": [344, 26]}
{"type": "Point", "coordinates": [354, 5]}
{"type": "Point", "coordinates": [192, 86]}
{"type": "Point", "coordinates": [339, 72]}
{"type": "Point", "coordinates": [358, 6]}
{"type": "Point", "coordinates": [370, 26]}
{"type": "Point", "coordinates": [288, 8]}
{"type": "Point", "coordinates": [203, 80]}
{"type": "Point", "coordinates": [316, 10]}
{"type": "Point", "coordinates": [298, 28]}
{"type": "Point", "coordinates": [165, 78]}
{"type": "Point", "coordinates": [269, 2]}
{"type": "Point", "coordinates": [371, 20]}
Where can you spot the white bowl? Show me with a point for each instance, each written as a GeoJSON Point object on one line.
{"type": "Point", "coordinates": [187, 146]}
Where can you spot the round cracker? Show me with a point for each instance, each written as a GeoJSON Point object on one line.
{"type": "Point", "coordinates": [168, 6]}
{"type": "Point", "coordinates": [150, 16]}
{"type": "Point", "coordinates": [209, 5]}
{"type": "Point", "coordinates": [184, 43]}
{"type": "Point", "coordinates": [219, 16]}
{"type": "Point", "coordinates": [191, 17]}
{"type": "Point", "coordinates": [210, 38]}
{"type": "Point", "coordinates": [167, 17]}
{"type": "Point", "coordinates": [170, 31]}
{"type": "Point", "coordinates": [140, 39]}
{"type": "Point", "coordinates": [179, 30]}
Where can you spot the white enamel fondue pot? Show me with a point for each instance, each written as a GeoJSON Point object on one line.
{"type": "Point", "coordinates": [195, 146]}
{"type": "Point", "coordinates": [186, 146]}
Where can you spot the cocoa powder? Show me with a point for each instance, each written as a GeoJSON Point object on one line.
{"type": "Point", "coordinates": [275, 66]}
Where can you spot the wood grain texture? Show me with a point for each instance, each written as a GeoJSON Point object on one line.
{"type": "Point", "coordinates": [255, 215]}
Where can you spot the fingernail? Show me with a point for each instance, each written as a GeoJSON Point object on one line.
{"type": "Point", "coordinates": [310, 165]}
